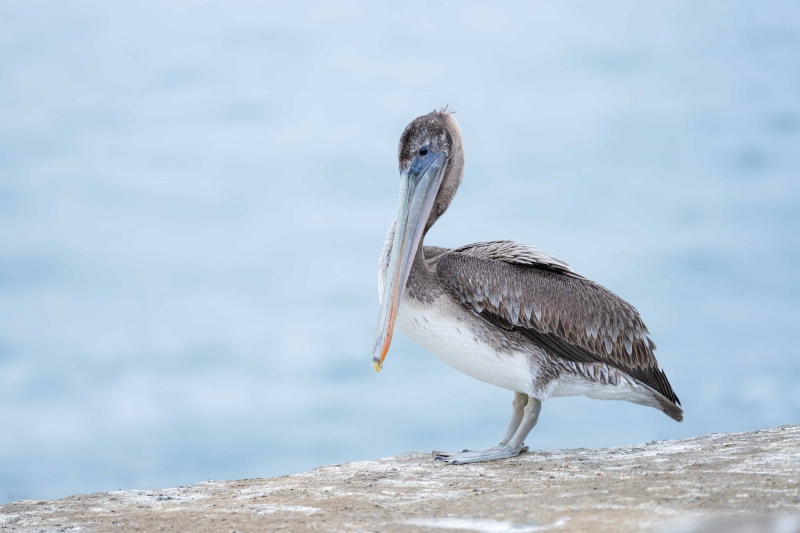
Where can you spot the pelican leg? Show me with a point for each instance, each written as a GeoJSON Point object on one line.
{"type": "Point", "coordinates": [513, 447]}
{"type": "Point", "coordinates": [518, 406]}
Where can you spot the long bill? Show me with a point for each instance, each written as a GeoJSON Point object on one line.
{"type": "Point", "coordinates": [419, 186]}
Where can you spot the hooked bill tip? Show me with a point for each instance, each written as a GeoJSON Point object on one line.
{"type": "Point", "coordinates": [376, 364]}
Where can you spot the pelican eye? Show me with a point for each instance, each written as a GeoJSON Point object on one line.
{"type": "Point", "coordinates": [423, 150]}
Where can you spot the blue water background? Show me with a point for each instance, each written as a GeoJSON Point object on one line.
{"type": "Point", "coordinates": [193, 196]}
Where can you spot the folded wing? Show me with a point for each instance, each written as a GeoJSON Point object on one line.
{"type": "Point", "coordinates": [520, 288]}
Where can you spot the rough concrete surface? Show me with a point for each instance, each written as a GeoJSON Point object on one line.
{"type": "Point", "coordinates": [694, 484]}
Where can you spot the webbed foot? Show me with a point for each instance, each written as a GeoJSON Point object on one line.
{"type": "Point", "coordinates": [478, 456]}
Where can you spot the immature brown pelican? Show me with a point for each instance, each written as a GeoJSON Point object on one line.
{"type": "Point", "coordinates": [501, 312]}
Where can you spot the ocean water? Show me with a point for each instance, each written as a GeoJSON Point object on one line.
{"type": "Point", "coordinates": [193, 196]}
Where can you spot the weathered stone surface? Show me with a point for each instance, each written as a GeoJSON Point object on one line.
{"type": "Point", "coordinates": [669, 485]}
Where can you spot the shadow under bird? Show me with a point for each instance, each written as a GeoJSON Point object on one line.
{"type": "Point", "coordinates": [502, 312]}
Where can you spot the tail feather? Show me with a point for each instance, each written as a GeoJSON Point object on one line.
{"type": "Point", "coordinates": [652, 398]}
{"type": "Point", "coordinates": [669, 408]}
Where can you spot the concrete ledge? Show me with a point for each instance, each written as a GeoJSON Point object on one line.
{"type": "Point", "coordinates": [669, 485]}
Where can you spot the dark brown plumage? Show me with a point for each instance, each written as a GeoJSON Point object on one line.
{"type": "Point", "coordinates": [518, 288]}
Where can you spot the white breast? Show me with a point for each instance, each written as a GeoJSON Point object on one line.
{"type": "Point", "coordinates": [437, 328]}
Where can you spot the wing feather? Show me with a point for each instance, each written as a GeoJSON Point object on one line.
{"type": "Point", "coordinates": [520, 288]}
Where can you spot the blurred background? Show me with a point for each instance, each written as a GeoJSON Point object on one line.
{"type": "Point", "coordinates": [193, 197]}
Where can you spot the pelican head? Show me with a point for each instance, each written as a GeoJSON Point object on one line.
{"type": "Point", "coordinates": [431, 160]}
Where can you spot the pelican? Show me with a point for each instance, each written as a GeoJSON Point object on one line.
{"type": "Point", "coordinates": [505, 313]}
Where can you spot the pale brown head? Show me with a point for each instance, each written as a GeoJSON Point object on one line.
{"type": "Point", "coordinates": [436, 132]}
{"type": "Point", "coordinates": [431, 160]}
